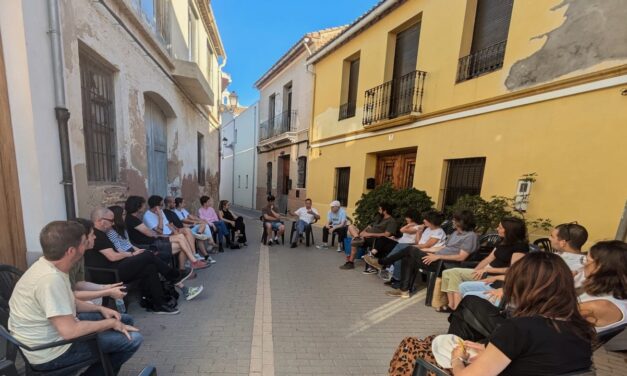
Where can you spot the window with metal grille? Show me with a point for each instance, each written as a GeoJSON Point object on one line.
{"type": "Point", "coordinates": [98, 119]}
{"type": "Point", "coordinates": [201, 158]}
{"type": "Point", "coordinates": [343, 175]}
{"type": "Point", "coordinates": [464, 177]}
{"type": "Point", "coordinates": [269, 178]}
{"type": "Point", "coordinates": [302, 171]}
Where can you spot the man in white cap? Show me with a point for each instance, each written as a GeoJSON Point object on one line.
{"type": "Point", "coordinates": [336, 222]}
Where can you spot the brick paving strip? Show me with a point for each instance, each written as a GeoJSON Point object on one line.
{"type": "Point", "coordinates": [262, 349]}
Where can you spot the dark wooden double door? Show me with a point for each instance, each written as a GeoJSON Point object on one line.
{"type": "Point", "coordinates": [397, 169]}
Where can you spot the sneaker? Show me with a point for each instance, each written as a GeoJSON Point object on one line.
{"type": "Point", "coordinates": [348, 265]}
{"type": "Point", "coordinates": [339, 249]}
{"type": "Point", "coordinates": [398, 294]}
{"type": "Point", "coordinates": [199, 264]}
{"type": "Point", "coordinates": [323, 246]}
{"type": "Point", "coordinates": [210, 260]}
{"type": "Point", "coordinates": [294, 245]}
{"type": "Point", "coordinates": [191, 292]}
{"type": "Point", "coordinates": [385, 275]}
{"type": "Point", "coordinates": [165, 310]}
{"type": "Point", "coordinates": [370, 271]}
{"type": "Point", "coordinates": [276, 239]}
{"type": "Point", "coordinates": [200, 236]}
{"type": "Point", "coordinates": [390, 282]}
{"type": "Point", "coordinates": [198, 256]}
{"type": "Point", "coordinates": [184, 275]}
{"type": "Point", "coordinates": [269, 243]}
{"type": "Point", "coordinates": [372, 261]}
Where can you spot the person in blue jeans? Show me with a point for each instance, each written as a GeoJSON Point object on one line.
{"type": "Point", "coordinates": [43, 308]}
{"type": "Point", "coordinates": [306, 216]}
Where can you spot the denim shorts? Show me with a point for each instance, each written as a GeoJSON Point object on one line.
{"type": "Point", "coordinates": [276, 225]}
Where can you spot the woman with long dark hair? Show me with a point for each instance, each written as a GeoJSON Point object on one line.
{"type": "Point", "coordinates": [544, 334]}
{"type": "Point", "coordinates": [604, 301]}
{"type": "Point", "coordinates": [233, 221]}
{"type": "Point", "coordinates": [511, 248]}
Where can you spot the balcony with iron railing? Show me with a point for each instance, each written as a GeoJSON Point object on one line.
{"type": "Point", "coordinates": [347, 110]}
{"type": "Point", "coordinates": [481, 62]}
{"type": "Point", "coordinates": [281, 124]}
{"type": "Point", "coordinates": [398, 97]}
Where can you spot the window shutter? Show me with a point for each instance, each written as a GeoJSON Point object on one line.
{"type": "Point", "coordinates": [491, 23]}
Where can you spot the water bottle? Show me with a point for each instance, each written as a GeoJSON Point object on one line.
{"type": "Point", "coordinates": [120, 306]}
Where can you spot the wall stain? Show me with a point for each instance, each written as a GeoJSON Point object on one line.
{"type": "Point", "coordinates": [593, 31]}
{"type": "Point", "coordinates": [137, 128]}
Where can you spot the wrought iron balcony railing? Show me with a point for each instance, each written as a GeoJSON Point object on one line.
{"type": "Point", "coordinates": [481, 62]}
{"type": "Point", "coordinates": [398, 97]}
{"type": "Point", "coordinates": [347, 110]}
{"type": "Point", "coordinates": [281, 123]}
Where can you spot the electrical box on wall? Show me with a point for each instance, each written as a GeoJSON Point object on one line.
{"type": "Point", "coordinates": [522, 195]}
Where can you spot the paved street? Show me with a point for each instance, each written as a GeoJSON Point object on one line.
{"type": "Point", "coordinates": [300, 316]}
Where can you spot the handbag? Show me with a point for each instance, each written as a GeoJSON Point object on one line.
{"type": "Point", "coordinates": [440, 299]}
{"type": "Point", "coordinates": [475, 319]}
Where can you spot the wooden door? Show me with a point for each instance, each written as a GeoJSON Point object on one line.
{"type": "Point", "coordinates": [397, 169]}
{"type": "Point", "coordinates": [341, 188]}
{"type": "Point", "coordinates": [157, 149]}
{"type": "Point", "coordinates": [12, 239]}
{"type": "Point", "coordinates": [284, 183]}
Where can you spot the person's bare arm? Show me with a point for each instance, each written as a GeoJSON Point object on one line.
{"type": "Point", "coordinates": [490, 362]}
{"type": "Point", "coordinates": [89, 291]}
{"type": "Point", "coordinates": [430, 243]}
{"type": "Point", "coordinates": [69, 328]}
{"type": "Point", "coordinates": [461, 256]}
{"type": "Point", "coordinates": [600, 312]}
{"type": "Point", "coordinates": [114, 256]}
{"type": "Point", "coordinates": [409, 229]}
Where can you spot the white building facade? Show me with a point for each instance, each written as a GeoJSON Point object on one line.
{"type": "Point", "coordinates": [239, 156]}
{"type": "Point", "coordinates": [119, 98]}
{"type": "Point", "coordinates": [285, 110]}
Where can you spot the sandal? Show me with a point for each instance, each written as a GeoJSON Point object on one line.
{"type": "Point", "coordinates": [444, 309]}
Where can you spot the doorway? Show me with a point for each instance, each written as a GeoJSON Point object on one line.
{"type": "Point", "coordinates": [12, 238]}
{"type": "Point", "coordinates": [397, 169]}
{"type": "Point", "coordinates": [157, 149]}
{"type": "Point", "coordinates": [343, 176]}
{"type": "Point", "coordinates": [403, 77]}
{"type": "Point", "coordinates": [284, 183]}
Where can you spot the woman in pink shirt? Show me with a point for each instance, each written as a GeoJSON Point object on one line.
{"type": "Point", "coordinates": [208, 213]}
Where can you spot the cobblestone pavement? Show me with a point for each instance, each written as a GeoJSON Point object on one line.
{"type": "Point", "coordinates": [303, 316]}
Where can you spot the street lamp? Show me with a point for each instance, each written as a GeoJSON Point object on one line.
{"type": "Point", "coordinates": [233, 101]}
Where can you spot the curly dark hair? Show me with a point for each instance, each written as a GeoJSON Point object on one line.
{"type": "Point", "coordinates": [610, 275]}
{"type": "Point", "coordinates": [133, 204]}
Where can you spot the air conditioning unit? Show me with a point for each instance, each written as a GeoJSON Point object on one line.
{"type": "Point", "coordinates": [522, 195]}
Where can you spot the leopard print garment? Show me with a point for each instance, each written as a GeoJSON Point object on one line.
{"type": "Point", "coordinates": [410, 349]}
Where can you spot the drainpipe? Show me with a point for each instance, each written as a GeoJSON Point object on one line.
{"type": "Point", "coordinates": [60, 110]}
{"type": "Point", "coordinates": [254, 184]}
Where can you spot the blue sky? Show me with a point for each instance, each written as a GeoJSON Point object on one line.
{"type": "Point", "coordinates": [255, 33]}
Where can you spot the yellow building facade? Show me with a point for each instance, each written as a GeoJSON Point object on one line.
{"type": "Point", "coordinates": [478, 104]}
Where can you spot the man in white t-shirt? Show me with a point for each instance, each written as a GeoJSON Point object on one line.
{"type": "Point", "coordinates": [306, 216]}
{"type": "Point", "coordinates": [567, 239]}
{"type": "Point", "coordinates": [43, 308]}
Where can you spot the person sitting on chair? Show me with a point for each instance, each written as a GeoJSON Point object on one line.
{"type": "Point", "coordinates": [385, 226]}
{"type": "Point", "coordinates": [179, 227]}
{"type": "Point", "coordinates": [336, 223]}
{"type": "Point", "coordinates": [272, 221]}
{"type": "Point", "coordinates": [208, 214]}
{"type": "Point", "coordinates": [200, 228]}
{"type": "Point", "coordinates": [306, 216]}
{"type": "Point", "coordinates": [234, 222]}
{"type": "Point", "coordinates": [43, 308]}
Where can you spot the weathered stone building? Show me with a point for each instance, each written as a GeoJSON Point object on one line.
{"type": "Point", "coordinates": [140, 81]}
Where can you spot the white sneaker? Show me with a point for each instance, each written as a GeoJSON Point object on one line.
{"type": "Point", "coordinates": [323, 246]}
{"type": "Point", "coordinates": [276, 239]}
{"type": "Point", "coordinates": [192, 292]}
{"type": "Point", "coordinates": [198, 256]}
{"type": "Point", "coordinates": [339, 249]}
{"type": "Point", "coordinates": [211, 260]}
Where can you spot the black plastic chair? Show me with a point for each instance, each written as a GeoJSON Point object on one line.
{"type": "Point", "coordinates": [309, 236]}
{"type": "Point", "coordinates": [606, 336]}
{"type": "Point", "coordinates": [544, 244]}
{"type": "Point", "coordinates": [422, 367]}
{"type": "Point", "coordinates": [88, 340]}
{"type": "Point", "coordinates": [264, 236]}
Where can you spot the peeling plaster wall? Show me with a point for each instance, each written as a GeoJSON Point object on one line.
{"type": "Point", "coordinates": [593, 31]}
{"type": "Point", "coordinates": [135, 76]}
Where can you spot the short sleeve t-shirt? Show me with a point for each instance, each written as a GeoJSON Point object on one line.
{"type": "Point", "coordinates": [93, 257]}
{"type": "Point", "coordinates": [437, 233]}
{"type": "Point", "coordinates": [181, 213]}
{"type": "Point", "coordinates": [535, 347]}
{"type": "Point", "coordinates": [267, 210]}
{"type": "Point", "coordinates": [304, 216]}
{"type": "Point", "coordinates": [121, 243]}
{"type": "Point", "coordinates": [408, 238]}
{"type": "Point", "coordinates": [173, 218]}
{"type": "Point", "coordinates": [151, 220]}
{"type": "Point", "coordinates": [136, 237]}
{"type": "Point", "coordinates": [573, 260]}
{"type": "Point", "coordinates": [42, 292]}
{"type": "Point", "coordinates": [503, 254]}
{"type": "Point", "coordinates": [335, 219]}
{"type": "Point", "coordinates": [385, 225]}
{"type": "Point", "coordinates": [466, 240]}
{"type": "Point", "coordinates": [208, 214]}
{"type": "Point", "coordinates": [77, 273]}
